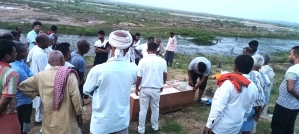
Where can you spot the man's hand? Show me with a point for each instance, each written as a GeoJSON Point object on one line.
{"type": "Point", "coordinates": [161, 90]}
{"type": "Point", "coordinates": [136, 92]}
{"type": "Point", "coordinates": [191, 83]}
{"type": "Point", "coordinates": [207, 130]}
{"type": "Point", "coordinates": [79, 120]}
{"type": "Point", "coordinates": [256, 117]}
{"type": "Point", "coordinates": [195, 87]}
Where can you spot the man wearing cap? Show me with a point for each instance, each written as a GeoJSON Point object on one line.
{"type": "Point", "coordinates": [111, 83]}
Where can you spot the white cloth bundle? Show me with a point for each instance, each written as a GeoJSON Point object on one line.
{"type": "Point", "coordinates": [120, 43]}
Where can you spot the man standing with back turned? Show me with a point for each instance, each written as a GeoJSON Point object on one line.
{"type": "Point", "coordinates": [111, 83]}
{"type": "Point", "coordinates": [287, 105]}
{"type": "Point", "coordinates": [151, 76]}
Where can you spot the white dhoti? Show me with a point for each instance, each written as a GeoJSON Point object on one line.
{"type": "Point", "coordinates": [152, 96]}
{"type": "Point", "coordinates": [38, 109]}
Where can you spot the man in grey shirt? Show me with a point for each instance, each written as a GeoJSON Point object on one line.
{"type": "Point", "coordinates": [199, 67]}
{"type": "Point", "coordinates": [79, 62]}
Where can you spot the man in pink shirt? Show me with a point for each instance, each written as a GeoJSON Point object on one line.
{"type": "Point", "coordinates": [170, 48]}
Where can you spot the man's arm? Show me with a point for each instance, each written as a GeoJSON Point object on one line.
{"type": "Point", "coordinates": [204, 78]}
{"type": "Point", "coordinates": [42, 63]}
{"type": "Point", "coordinates": [91, 83]}
{"type": "Point", "coordinates": [190, 78]}
{"type": "Point", "coordinates": [291, 88]}
{"type": "Point", "coordinates": [9, 91]}
{"type": "Point", "coordinates": [139, 77]}
{"type": "Point", "coordinates": [29, 87]}
{"type": "Point", "coordinates": [4, 102]}
{"type": "Point", "coordinates": [220, 101]}
{"type": "Point", "coordinates": [75, 97]}
{"type": "Point", "coordinates": [174, 44]}
{"type": "Point", "coordinates": [138, 52]}
{"type": "Point", "coordinates": [138, 82]}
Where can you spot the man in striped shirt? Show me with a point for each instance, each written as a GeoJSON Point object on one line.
{"type": "Point", "coordinates": [287, 105]}
{"type": "Point", "coordinates": [8, 85]}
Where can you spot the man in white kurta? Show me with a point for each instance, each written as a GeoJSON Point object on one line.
{"type": "Point", "coordinates": [233, 100]}
{"type": "Point", "coordinates": [111, 84]}
{"type": "Point", "coordinates": [39, 60]}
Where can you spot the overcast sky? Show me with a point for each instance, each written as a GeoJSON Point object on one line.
{"type": "Point", "coordinates": [279, 10]}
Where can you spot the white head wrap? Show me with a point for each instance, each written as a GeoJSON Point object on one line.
{"type": "Point", "coordinates": [120, 43]}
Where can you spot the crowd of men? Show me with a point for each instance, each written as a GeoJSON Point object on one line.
{"type": "Point", "coordinates": [55, 84]}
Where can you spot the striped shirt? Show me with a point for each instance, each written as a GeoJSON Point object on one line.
{"type": "Point", "coordinates": [286, 99]}
{"type": "Point", "coordinates": [257, 79]}
{"type": "Point", "coordinates": [8, 85]}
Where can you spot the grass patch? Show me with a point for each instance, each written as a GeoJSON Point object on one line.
{"type": "Point", "coordinates": [172, 127]}
{"type": "Point", "coordinates": [202, 41]}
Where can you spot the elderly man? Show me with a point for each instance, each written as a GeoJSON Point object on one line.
{"type": "Point", "coordinates": [24, 103]}
{"type": "Point", "coordinates": [233, 99]}
{"type": "Point", "coordinates": [151, 76]}
{"type": "Point", "coordinates": [161, 49]}
{"type": "Point", "coordinates": [60, 96]}
{"type": "Point", "coordinates": [79, 62]}
{"type": "Point", "coordinates": [111, 84]}
{"type": "Point", "coordinates": [262, 84]}
{"type": "Point", "coordinates": [247, 51]}
{"type": "Point", "coordinates": [268, 70]}
{"type": "Point", "coordinates": [39, 60]}
{"type": "Point", "coordinates": [8, 86]}
{"type": "Point", "coordinates": [287, 105]}
{"type": "Point", "coordinates": [141, 50]}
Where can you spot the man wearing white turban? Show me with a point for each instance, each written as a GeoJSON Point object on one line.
{"type": "Point", "coordinates": [111, 83]}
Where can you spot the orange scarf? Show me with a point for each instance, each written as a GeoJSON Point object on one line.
{"type": "Point", "coordinates": [237, 80]}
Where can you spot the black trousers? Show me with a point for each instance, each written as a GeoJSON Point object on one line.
{"type": "Point", "coordinates": [24, 115]}
{"type": "Point", "coordinates": [137, 61]}
{"type": "Point", "coordinates": [283, 120]}
{"type": "Point", "coordinates": [194, 77]}
{"type": "Point", "coordinates": [169, 57]}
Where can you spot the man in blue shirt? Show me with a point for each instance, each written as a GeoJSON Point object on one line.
{"type": "Point", "coordinates": [79, 62]}
{"type": "Point", "coordinates": [24, 103]}
{"type": "Point", "coordinates": [37, 29]}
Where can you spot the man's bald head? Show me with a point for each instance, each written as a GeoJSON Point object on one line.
{"type": "Point", "coordinates": [42, 40]}
{"type": "Point", "coordinates": [56, 58]}
{"type": "Point", "coordinates": [6, 36]}
{"type": "Point", "coordinates": [83, 46]}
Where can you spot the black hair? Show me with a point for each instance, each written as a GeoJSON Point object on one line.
{"type": "Point", "coordinates": [151, 38]}
{"type": "Point", "coordinates": [6, 47]}
{"type": "Point", "coordinates": [63, 47]}
{"type": "Point", "coordinates": [101, 32]}
{"type": "Point", "coordinates": [53, 28]}
{"type": "Point", "coordinates": [133, 37]}
{"type": "Point", "coordinates": [36, 23]}
{"type": "Point", "coordinates": [17, 28]}
{"type": "Point", "coordinates": [244, 63]}
{"type": "Point", "coordinates": [253, 43]}
{"type": "Point", "coordinates": [152, 46]}
{"type": "Point", "coordinates": [171, 33]}
{"type": "Point", "coordinates": [137, 34]}
{"type": "Point", "coordinates": [18, 45]}
{"type": "Point", "coordinates": [248, 50]}
{"type": "Point", "coordinates": [296, 50]}
{"type": "Point", "coordinates": [7, 36]}
{"type": "Point", "coordinates": [201, 67]}
{"type": "Point", "coordinates": [15, 34]}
